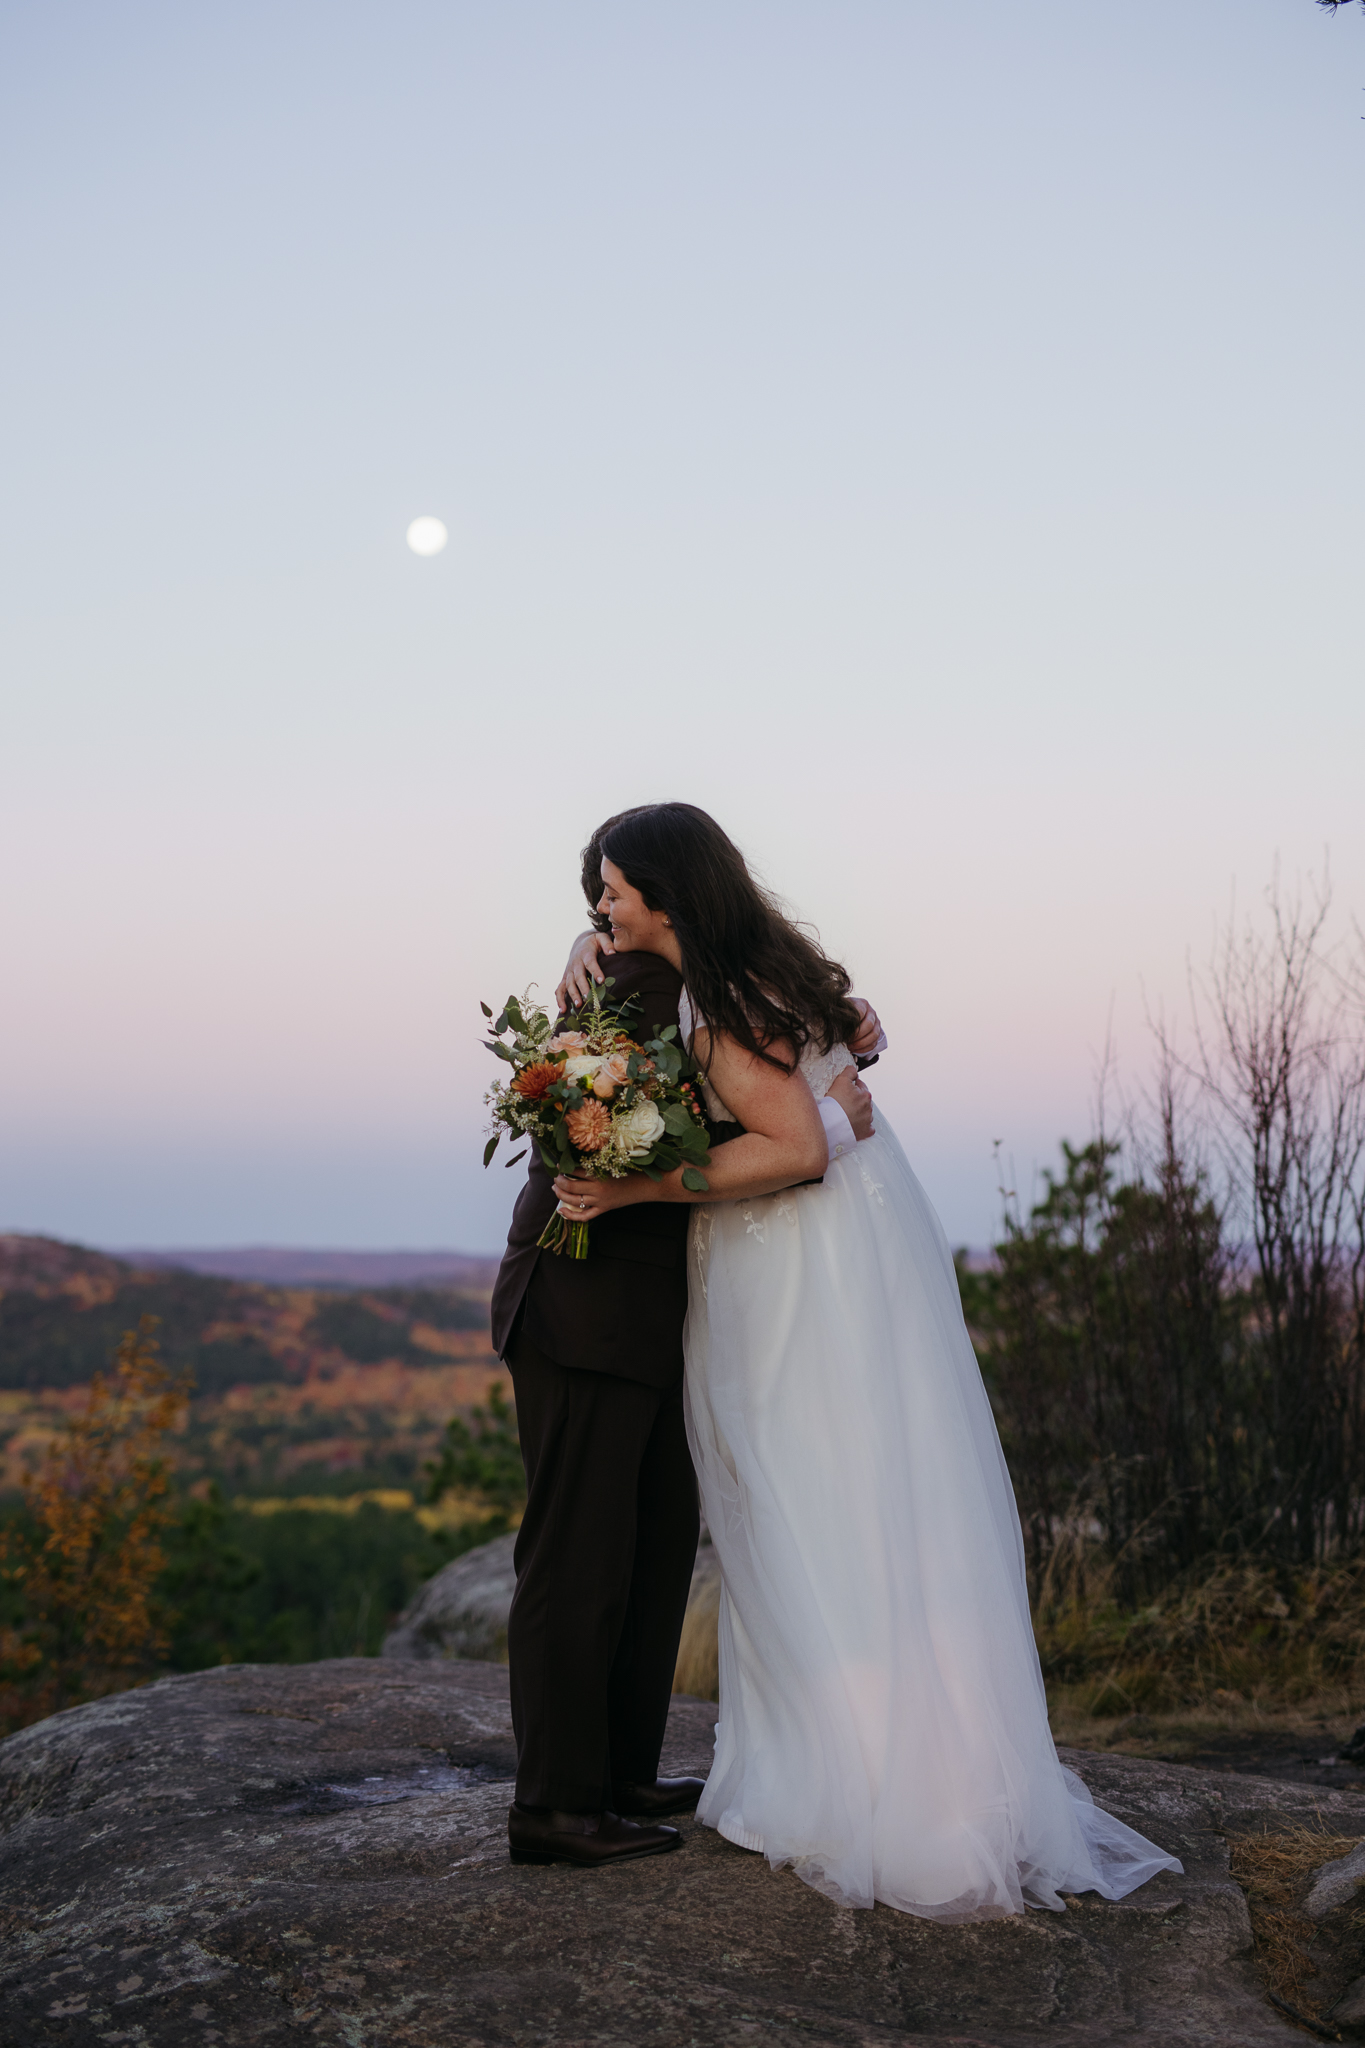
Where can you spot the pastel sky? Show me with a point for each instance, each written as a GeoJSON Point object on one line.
{"type": "Point", "coordinates": [928, 436]}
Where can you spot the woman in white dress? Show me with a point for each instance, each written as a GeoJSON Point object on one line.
{"type": "Point", "coordinates": [883, 1724]}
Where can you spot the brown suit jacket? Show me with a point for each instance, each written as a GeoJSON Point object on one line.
{"type": "Point", "coordinates": [621, 1309]}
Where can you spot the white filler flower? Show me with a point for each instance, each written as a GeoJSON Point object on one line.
{"type": "Point", "coordinates": [583, 1066]}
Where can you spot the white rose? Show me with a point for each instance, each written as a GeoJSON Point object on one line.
{"type": "Point", "coordinates": [582, 1066]}
{"type": "Point", "coordinates": [638, 1129]}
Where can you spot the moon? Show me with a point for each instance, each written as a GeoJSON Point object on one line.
{"type": "Point", "coordinates": [427, 536]}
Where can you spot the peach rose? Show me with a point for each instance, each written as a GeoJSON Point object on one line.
{"type": "Point", "coordinates": [568, 1041]}
{"type": "Point", "coordinates": [611, 1075]}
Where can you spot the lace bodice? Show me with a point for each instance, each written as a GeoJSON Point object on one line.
{"type": "Point", "coordinates": [819, 1068]}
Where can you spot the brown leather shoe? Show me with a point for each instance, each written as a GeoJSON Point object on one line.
{"type": "Point", "coordinates": [535, 1836]}
{"type": "Point", "coordinates": [665, 1795]}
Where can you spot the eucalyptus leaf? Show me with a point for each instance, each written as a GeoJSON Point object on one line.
{"type": "Point", "coordinates": [491, 1147]}
{"type": "Point", "coordinates": [696, 1182]}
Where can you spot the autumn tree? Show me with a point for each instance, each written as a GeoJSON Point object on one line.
{"type": "Point", "coordinates": [85, 1556]}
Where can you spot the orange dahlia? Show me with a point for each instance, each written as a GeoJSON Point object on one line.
{"type": "Point", "coordinates": [532, 1082]}
{"type": "Point", "coordinates": [589, 1127]}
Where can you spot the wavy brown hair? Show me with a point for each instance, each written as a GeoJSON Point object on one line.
{"type": "Point", "coordinates": [591, 875]}
{"type": "Point", "coordinates": [749, 970]}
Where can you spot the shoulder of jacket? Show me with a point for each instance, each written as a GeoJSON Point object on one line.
{"type": "Point", "coordinates": [643, 970]}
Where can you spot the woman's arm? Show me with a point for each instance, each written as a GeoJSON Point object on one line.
{"type": "Point", "coordinates": [783, 1143]}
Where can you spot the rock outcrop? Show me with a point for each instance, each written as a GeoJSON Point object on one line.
{"type": "Point", "coordinates": [264, 1854]}
{"type": "Point", "coordinates": [1337, 1884]}
{"type": "Point", "coordinates": [462, 1609]}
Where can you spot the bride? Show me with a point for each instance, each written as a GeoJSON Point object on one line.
{"type": "Point", "coordinates": [883, 1726]}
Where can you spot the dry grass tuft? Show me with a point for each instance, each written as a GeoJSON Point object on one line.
{"type": "Point", "coordinates": [1240, 1633]}
{"type": "Point", "coordinates": [1239, 1648]}
{"type": "Point", "coordinates": [1273, 1871]}
{"type": "Point", "coordinates": [698, 1667]}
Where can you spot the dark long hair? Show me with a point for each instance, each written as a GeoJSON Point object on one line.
{"type": "Point", "coordinates": [591, 858]}
{"type": "Point", "coordinates": [749, 970]}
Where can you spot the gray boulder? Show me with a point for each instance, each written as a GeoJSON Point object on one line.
{"type": "Point", "coordinates": [1336, 1883]}
{"type": "Point", "coordinates": [462, 1610]}
{"type": "Point", "coordinates": [255, 1856]}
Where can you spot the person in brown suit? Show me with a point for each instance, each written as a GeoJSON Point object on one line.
{"type": "Point", "coordinates": [605, 1551]}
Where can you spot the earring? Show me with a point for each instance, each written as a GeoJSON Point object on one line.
{"type": "Point", "coordinates": [668, 924]}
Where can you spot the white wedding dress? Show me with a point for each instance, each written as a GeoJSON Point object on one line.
{"type": "Point", "coordinates": [883, 1726]}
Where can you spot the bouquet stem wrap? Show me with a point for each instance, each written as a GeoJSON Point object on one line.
{"type": "Point", "coordinates": [560, 1235]}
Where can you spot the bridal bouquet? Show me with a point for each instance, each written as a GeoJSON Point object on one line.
{"type": "Point", "coordinates": [596, 1101]}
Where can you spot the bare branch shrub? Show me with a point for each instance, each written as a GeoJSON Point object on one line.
{"type": "Point", "coordinates": [1177, 1352]}
{"type": "Point", "coordinates": [1280, 1031]}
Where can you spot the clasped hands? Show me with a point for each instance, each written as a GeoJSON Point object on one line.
{"type": "Point", "coordinates": [582, 1200]}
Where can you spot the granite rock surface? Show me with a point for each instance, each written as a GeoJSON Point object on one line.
{"type": "Point", "coordinates": [264, 1855]}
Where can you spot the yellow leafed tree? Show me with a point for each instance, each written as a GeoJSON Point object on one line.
{"type": "Point", "coordinates": [86, 1556]}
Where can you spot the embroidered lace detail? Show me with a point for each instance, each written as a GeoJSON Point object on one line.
{"type": "Point", "coordinates": [786, 1207]}
{"type": "Point", "coordinates": [874, 1187]}
{"type": "Point", "coordinates": [822, 1068]}
{"type": "Point", "coordinates": [703, 1230]}
{"type": "Point", "coordinates": [757, 1228]}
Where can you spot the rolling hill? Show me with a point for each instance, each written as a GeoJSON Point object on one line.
{"type": "Point", "coordinates": [296, 1387]}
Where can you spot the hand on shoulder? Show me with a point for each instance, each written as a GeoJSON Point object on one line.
{"type": "Point", "coordinates": [584, 967]}
{"type": "Point", "coordinates": [869, 1038]}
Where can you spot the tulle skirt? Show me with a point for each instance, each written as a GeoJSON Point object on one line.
{"type": "Point", "coordinates": [883, 1726]}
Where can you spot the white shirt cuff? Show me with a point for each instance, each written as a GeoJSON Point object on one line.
{"type": "Point", "coordinates": [838, 1129]}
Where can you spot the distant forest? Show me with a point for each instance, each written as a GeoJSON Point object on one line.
{"type": "Point", "coordinates": [338, 1447]}
{"type": "Point", "coordinates": [55, 1332]}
